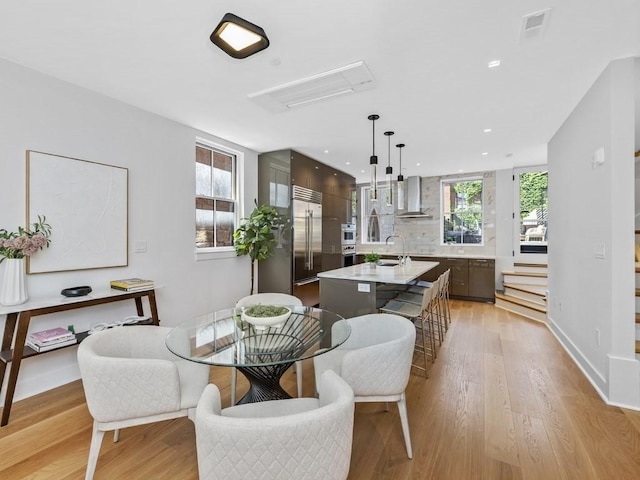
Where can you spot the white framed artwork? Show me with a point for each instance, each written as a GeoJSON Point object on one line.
{"type": "Point", "coordinates": [86, 205]}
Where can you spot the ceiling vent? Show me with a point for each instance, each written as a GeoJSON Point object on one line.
{"type": "Point", "coordinates": [341, 81]}
{"type": "Point", "coordinates": [534, 24]}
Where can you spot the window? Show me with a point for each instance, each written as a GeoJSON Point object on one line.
{"type": "Point", "coordinates": [533, 205]}
{"type": "Point", "coordinates": [377, 217]}
{"type": "Point", "coordinates": [216, 197]}
{"type": "Point", "coordinates": [462, 211]}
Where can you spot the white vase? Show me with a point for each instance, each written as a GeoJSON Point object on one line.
{"type": "Point", "coordinates": [14, 285]}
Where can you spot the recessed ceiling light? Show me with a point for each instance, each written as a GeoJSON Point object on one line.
{"type": "Point", "coordinates": [326, 151]}
{"type": "Point", "coordinates": [460, 171]}
{"type": "Point", "coordinates": [494, 63]}
{"type": "Point", "coordinates": [484, 154]}
{"type": "Point", "coordinates": [418, 164]}
{"type": "Point", "coordinates": [361, 171]}
{"type": "Point", "coordinates": [347, 163]}
{"type": "Point", "coordinates": [487, 130]}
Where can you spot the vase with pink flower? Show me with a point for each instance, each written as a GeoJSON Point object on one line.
{"type": "Point", "coordinates": [14, 248]}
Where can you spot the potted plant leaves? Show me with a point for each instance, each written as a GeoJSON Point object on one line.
{"type": "Point", "coordinates": [255, 237]}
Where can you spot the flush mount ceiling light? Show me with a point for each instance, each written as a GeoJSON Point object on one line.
{"type": "Point", "coordinates": [239, 38]}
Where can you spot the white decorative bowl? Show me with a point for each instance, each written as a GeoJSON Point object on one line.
{"type": "Point", "coordinates": [261, 323]}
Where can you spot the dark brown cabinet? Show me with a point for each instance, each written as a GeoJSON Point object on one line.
{"type": "Point", "coordinates": [459, 276]}
{"type": "Point", "coordinates": [470, 278]}
{"type": "Point", "coordinates": [306, 172]}
{"type": "Point", "coordinates": [482, 278]}
{"type": "Point", "coordinates": [277, 173]}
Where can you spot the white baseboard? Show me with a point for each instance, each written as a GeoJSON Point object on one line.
{"type": "Point", "coordinates": [590, 372]}
{"type": "Point", "coordinates": [31, 382]}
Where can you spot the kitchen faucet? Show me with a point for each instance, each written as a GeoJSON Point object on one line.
{"type": "Point", "coordinates": [403, 258]}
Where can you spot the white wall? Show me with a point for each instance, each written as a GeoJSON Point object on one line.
{"type": "Point", "coordinates": [505, 205]}
{"type": "Point", "coordinates": [41, 113]}
{"type": "Point", "coordinates": [592, 207]}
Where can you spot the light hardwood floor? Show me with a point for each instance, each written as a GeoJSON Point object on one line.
{"type": "Point", "coordinates": [503, 401]}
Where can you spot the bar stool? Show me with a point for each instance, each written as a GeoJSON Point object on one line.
{"type": "Point", "coordinates": [422, 317]}
{"type": "Point", "coordinates": [445, 297]}
{"type": "Point", "coordinates": [443, 309]}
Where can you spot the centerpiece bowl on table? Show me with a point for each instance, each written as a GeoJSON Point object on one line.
{"type": "Point", "coordinates": [265, 316]}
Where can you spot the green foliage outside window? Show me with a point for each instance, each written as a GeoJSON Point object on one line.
{"type": "Point", "coordinates": [462, 211]}
{"type": "Point", "coordinates": [533, 192]}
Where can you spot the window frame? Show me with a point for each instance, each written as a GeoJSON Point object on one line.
{"type": "Point", "coordinates": [518, 255]}
{"type": "Point", "coordinates": [364, 216]}
{"type": "Point", "coordinates": [450, 180]}
{"type": "Point", "coordinates": [212, 253]}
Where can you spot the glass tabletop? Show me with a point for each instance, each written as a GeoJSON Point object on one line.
{"type": "Point", "coordinates": [226, 338]}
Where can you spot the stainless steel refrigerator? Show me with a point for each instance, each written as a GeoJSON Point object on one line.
{"type": "Point", "coordinates": [307, 235]}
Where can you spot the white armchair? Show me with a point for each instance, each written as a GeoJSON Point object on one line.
{"type": "Point", "coordinates": [130, 378]}
{"type": "Point", "coordinates": [375, 361]}
{"type": "Point", "coordinates": [267, 299]}
{"type": "Point", "coordinates": [297, 438]}
{"type": "Point", "coordinates": [536, 234]}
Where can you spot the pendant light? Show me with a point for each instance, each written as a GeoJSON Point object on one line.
{"type": "Point", "coordinates": [373, 161]}
{"type": "Point", "coordinates": [400, 180]}
{"type": "Point", "coordinates": [389, 171]}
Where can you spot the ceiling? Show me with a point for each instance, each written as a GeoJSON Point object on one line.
{"type": "Point", "coordinates": [429, 60]}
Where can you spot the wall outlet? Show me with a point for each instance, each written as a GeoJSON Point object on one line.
{"type": "Point", "coordinates": [364, 287]}
{"type": "Point", "coordinates": [597, 337]}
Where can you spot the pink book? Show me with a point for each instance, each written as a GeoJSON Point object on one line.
{"type": "Point", "coordinates": [51, 335]}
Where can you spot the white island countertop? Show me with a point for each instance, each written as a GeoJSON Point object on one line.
{"type": "Point", "coordinates": [400, 274]}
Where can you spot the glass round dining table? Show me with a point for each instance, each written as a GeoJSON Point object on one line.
{"type": "Point", "coordinates": [225, 339]}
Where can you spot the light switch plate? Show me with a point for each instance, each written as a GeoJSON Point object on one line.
{"type": "Point", "coordinates": [599, 251]}
{"type": "Point", "coordinates": [140, 246]}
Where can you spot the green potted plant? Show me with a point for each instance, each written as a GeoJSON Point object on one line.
{"type": "Point", "coordinates": [254, 237]}
{"type": "Point", "coordinates": [372, 259]}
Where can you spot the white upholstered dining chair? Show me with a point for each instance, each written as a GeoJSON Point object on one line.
{"type": "Point", "coordinates": [296, 438]}
{"type": "Point", "coordinates": [267, 299]}
{"type": "Point", "coordinates": [375, 361]}
{"type": "Point", "coordinates": [130, 378]}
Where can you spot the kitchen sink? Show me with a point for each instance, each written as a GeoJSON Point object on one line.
{"type": "Point", "coordinates": [388, 263]}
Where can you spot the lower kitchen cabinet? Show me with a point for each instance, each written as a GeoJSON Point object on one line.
{"type": "Point", "coordinates": [482, 278]}
{"type": "Point", "coordinates": [470, 278]}
{"type": "Point", "coordinates": [459, 276]}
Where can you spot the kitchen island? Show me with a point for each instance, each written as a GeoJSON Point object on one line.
{"type": "Point", "coordinates": [361, 289]}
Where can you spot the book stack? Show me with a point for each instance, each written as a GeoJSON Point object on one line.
{"type": "Point", "coordinates": [132, 284]}
{"type": "Point", "coordinates": [51, 339]}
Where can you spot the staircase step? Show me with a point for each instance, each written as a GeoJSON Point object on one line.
{"type": "Point", "coordinates": [637, 346]}
{"type": "Point", "coordinates": [530, 267]}
{"type": "Point", "coordinates": [637, 317]}
{"type": "Point", "coordinates": [637, 292]}
{"type": "Point", "coordinates": [522, 307]}
{"type": "Point", "coordinates": [525, 278]}
{"type": "Point", "coordinates": [534, 293]}
{"type": "Point", "coordinates": [525, 274]}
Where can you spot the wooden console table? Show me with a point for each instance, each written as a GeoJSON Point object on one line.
{"type": "Point", "coordinates": [21, 315]}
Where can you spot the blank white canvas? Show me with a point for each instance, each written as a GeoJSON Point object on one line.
{"type": "Point", "coordinates": [86, 205]}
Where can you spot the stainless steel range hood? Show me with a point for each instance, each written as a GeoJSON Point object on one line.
{"type": "Point", "coordinates": [413, 187]}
